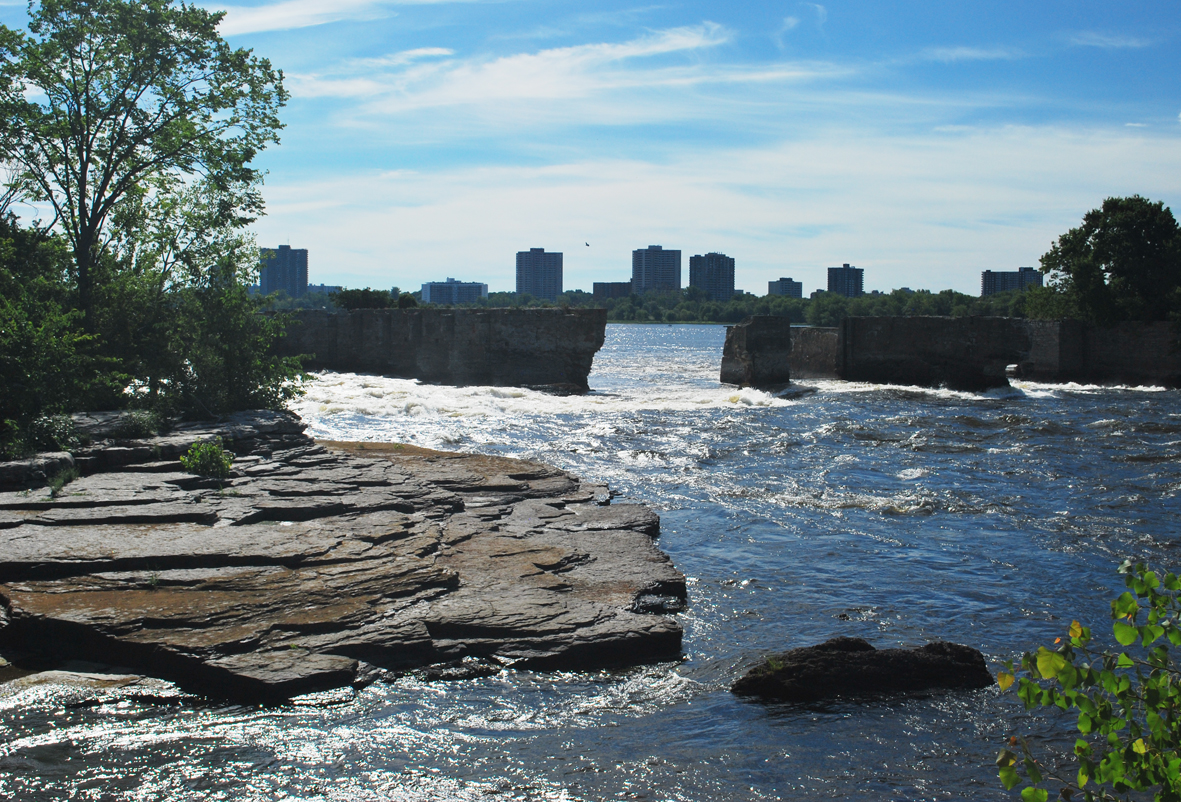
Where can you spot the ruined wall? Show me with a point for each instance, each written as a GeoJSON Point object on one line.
{"type": "Point", "coordinates": [507, 347]}
{"type": "Point", "coordinates": [971, 353]}
{"type": "Point", "coordinates": [814, 352]}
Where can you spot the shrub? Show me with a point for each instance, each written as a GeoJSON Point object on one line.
{"type": "Point", "coordinates": [50, 433]}
{"type": "Point", "coordinates": [208, 459]}
{"type": "Point", "coordinates": [136, 424]}
{"type": "Point", "coordinates": [60, 480]}
{"type": "Point", "coordinates": [1128, 702]}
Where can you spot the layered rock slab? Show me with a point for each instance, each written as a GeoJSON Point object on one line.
{"type": "Point", "coordinates": [315, 562]}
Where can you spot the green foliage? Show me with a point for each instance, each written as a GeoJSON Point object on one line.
{"type": "Point", "coordinates": [208, 459]}
{"type": "Point", "coordinates": [138, 424]}
{"type": "Point", "coordinates": [104, 102]}
{"type": "Point", "coordinates": [59, 480]}
{"type": "Point", "coordinates": [1128, 701]}
{"type": "Point", "coordinates": [364, 299]}
{"type": "Point", "coordinates": [407, 301]}
{"type": "Point", "coordinates": [47, 363]}
{"type": "Point", "coordinates": [1122, 263]}
{"type": "Point", "coordinates": [51, 433]}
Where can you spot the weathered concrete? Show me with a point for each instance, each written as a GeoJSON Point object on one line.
{"type": "Point", "coordinates": [814, 352]}
{"type": "Point", "coordinates": [315, 562]}
{"type": "Point", "coordinates": [969, 353]}
{"type": "Point", "coordinates": [851, 667]}
{"type": "Point", "coordinates": [551, 348]}
{"type": "Point", "coordinates": [766, 351]}
{"type": "Point", "coordinates": [756, 352]}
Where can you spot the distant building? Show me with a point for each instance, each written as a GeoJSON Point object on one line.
{"type": "Point", "coordinates": [284, 268]}
{"type": "Point", "coordinates": [994, 281]}
{"type": "Point", "coordinates": [326, 289]}
{"type": "Point", "coordinates": [452, 292]}
{"type": "Point", "coordinates": [787, 287]}
{"type": "Point", "coordinates": [539, 274]}
{"type": "Point", "coordinates": [713, 273]}
{"type": "Point", "coordinates": [847, 281]}
{"type": "Point", "coordinates": [654, 268]}
{"type": "Point", "coordinates": [602, 290]}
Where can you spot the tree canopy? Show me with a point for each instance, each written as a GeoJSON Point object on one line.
{"type": "Point", "coordinates": [107, 103]}
{"type": "Point", "coordinates": [1122, 263]}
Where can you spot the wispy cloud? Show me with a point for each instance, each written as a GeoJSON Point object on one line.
{"type": "Point", "coordinates": [788, 24]}
{"type": "Point", "coordinates": [1107, 41]}
{"type": "Point", "coordinates": [950, 54]}
{"type": "Point", "coordinates": [566, 73]}
{"type": "Point", "coordinates": [290, 14]}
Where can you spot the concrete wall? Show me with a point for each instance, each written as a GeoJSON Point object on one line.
{"type": "Point", "coordinates": [970, 353]}
{"type": "Point", "coordinates": [508, 347]}
{"type": "Point", "coordinates": [815, 352]}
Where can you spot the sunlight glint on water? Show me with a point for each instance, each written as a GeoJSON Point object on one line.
{"type": "Point", "coordinates": [891, 513]}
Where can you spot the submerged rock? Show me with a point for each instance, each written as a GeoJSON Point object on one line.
{"type": "Point", "coordinates": [852, 667]}
{"type": "Point", "coordinates": [314, 563]}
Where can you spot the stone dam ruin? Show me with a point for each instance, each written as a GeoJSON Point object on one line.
{"type": "Point", "coordinates": [970, 353]}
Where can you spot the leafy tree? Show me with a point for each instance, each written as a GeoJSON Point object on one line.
{"type": "Point", "coordinates": [48, 364]}
{"type": "Point", "coordinates": [1122, 263]}
{"type": "Point", "coordinates": [364, 299]}
{"type": "Point", "coordinates": [106, 102]}
{"type": "Point", "coordinates": [1128, 702]}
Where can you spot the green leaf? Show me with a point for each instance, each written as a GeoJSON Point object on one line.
{"type": "Point", "coordinates": [1126, 634]}
{"type": "Point", "coordinates": [1035, 774]}
{"type": "Point", "coordinates": [1172, 582]}
{"type": "Point", "coordinates": [1125, 605]}
{"type": "Point", "coordinates": [1049, 663]}
{"type": "Point", "coordinates": [1035, 795]}
{"type": "Point", "coordinates": [1085, 723]}
{"type": "Point", "coordinates": [1009, 777]}
{"type": "Point", "coordinates": [1124, 660]}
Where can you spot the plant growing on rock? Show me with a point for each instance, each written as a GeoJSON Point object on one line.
{"type": "Point", "coordinates": [208, 459]}
{"type": "Point", "coordinates": [1128, 702]}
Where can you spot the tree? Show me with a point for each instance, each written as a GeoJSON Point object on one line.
{"type": "Point", "coordinates": [1122, 263]}
{"type": "Point", "coordinates": [1128, 702]}
{"type": "Point", "coordinates": [108, 102]}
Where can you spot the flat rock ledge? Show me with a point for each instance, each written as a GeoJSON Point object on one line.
{"type": "Point", "coordinates": [317, 565]}
{"type": "Point", "coordinates": [852, 667]}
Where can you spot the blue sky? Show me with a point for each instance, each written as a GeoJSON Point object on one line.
{"type": "Point", "coordinates": [922, 141]}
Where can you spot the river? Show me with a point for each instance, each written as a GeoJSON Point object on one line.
{"type": "Point", "coordinates": [896, 514]}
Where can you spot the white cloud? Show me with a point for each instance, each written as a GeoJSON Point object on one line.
{"type": "Point", "coordinates": [290, 14]}
{"type": "Point", "coordinates": [593, 76]}
{"type": "Point", "coordinates": [949, 54]}
{"type": "Point", "coordinates": [927, 211]}
{"type": "Point", "coordinates": [1107, 41]}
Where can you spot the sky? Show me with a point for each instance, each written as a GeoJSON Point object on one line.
{"type": "Point", "coordinates": [921, 141]}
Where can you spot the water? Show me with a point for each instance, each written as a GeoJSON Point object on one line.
{"type": "Point", "coordinates": [895, 514]}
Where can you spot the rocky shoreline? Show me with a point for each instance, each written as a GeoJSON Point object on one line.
{"type": "Point", "coordinates": [320, 565]}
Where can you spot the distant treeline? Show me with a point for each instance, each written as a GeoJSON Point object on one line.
{"type": "Point", "coordinates": [691, 305]}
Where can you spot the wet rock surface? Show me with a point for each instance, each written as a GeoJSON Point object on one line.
{"type": "Point", "coordinates": [852, 667]}
{"type": "Point", "coordinates": [315, 563]}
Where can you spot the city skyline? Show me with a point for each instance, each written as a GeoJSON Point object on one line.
{"type": "Point", "coordinates": [924, 144]}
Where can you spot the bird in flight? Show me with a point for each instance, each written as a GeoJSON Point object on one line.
{"type": "Point", "coordinates": [588, 244]}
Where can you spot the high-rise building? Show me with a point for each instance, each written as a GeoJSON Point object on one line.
{"type": "Point", "coordinates": [539, 274]}
{"type": "Point", "coordinates": [284, 268]}
{"type": "Point", "coordinates": [654, 268]}
{"type": "Point", "coordinates": [785, 286]}
{"type": "Point", "coordinates": [452, 292]}
{"type": "Point", "coordinates": [602, 290]}
{"type": "Point", "coordinates": [992, 282]}
{"type": "Point", "coordinates": [847, 281]}
{"type": "Point", "coordinates": [713, 273]}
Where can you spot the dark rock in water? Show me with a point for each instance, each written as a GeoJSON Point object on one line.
{"type": "Point", "coordinates": [852, 667]}
{"type": "Point", "coordinates": [314, 565]}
